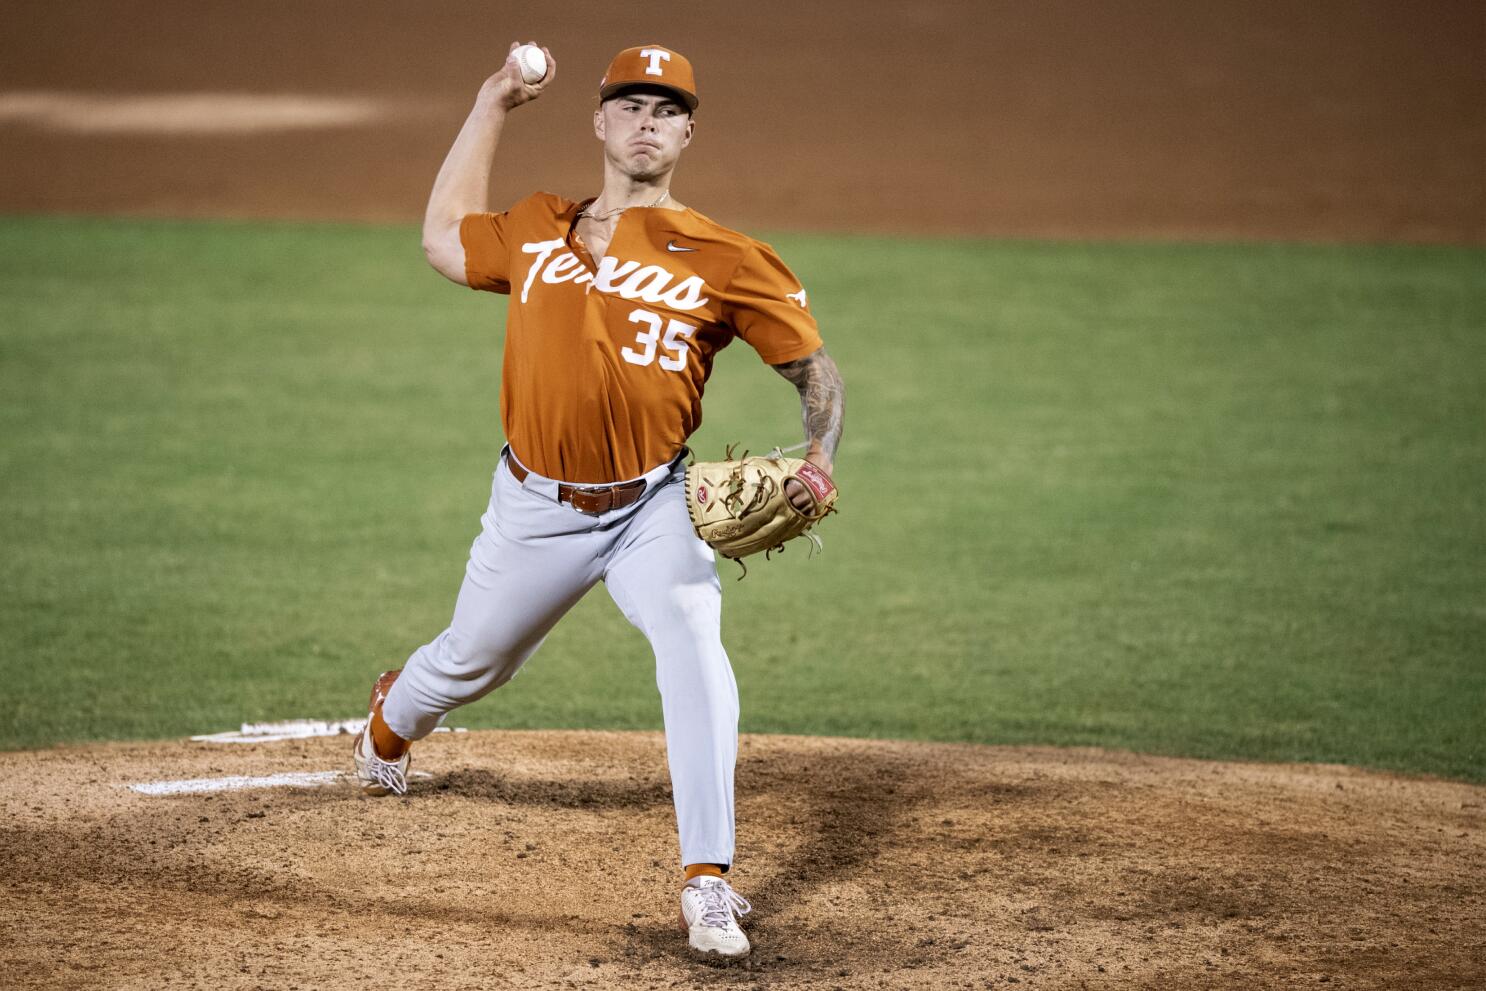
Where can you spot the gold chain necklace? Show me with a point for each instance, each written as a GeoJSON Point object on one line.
{"type": "Point", "coordinates": [601, 217]}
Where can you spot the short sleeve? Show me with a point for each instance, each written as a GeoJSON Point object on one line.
{"type": "Point", "coordinates": [767, 307]}
{"type": "Point", "coordinates": [487, 261]}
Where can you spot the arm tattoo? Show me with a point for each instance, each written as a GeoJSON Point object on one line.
{"type": "Point", "coordinates": [822, 398]}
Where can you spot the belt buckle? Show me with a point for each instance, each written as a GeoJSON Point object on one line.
{"type": "Point", "coordinates": [605, 497]}
{"type": "Point", "coordinates": [576, 493]}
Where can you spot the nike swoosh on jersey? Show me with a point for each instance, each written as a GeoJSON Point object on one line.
{"type": "Point", "coordinates": [673, 246]}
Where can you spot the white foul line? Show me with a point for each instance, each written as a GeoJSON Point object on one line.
{"type": "Point", "coordinates": [198, 786]}
{"type": "Point", "coordinates": [236, 782]}
{"type": "Point", "coordinates": [289, 729]}
{"type": "Point", "coordinates": [295, 729]}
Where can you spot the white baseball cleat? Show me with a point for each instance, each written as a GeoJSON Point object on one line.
{"type": "Point", "coordinates": [708, 910]}
{"type": "Point", "coordinates": [377, 776]}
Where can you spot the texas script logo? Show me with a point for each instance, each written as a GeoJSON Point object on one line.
{"type": "Point", "coordinates": [650, 283]}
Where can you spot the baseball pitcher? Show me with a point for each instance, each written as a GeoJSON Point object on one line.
{"type": "Point", "coordinates": [618, 306]}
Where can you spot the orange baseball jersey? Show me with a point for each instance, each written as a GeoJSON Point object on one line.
{"type": "Point", "coordinates": [605, 364]}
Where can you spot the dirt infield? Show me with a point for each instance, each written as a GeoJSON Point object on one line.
{"type": "Point", "coordinates": [1330, 120]}
{"type": "Point", "coordinates": [547, 860]}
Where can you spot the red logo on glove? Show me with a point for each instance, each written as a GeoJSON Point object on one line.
{"type": "Point", "coordinates": [817, 481]}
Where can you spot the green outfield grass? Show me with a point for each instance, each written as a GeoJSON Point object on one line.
{"type": "Point", "coordinates": [1209, 500]}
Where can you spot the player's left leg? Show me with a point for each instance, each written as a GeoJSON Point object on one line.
{"type": "Point", "coordinates": [662, 576]}
{"type": "Point", "coordinates": [664, 579]}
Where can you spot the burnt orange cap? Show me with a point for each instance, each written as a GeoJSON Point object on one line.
{"type": "Point", "coordinates": [651, 65]}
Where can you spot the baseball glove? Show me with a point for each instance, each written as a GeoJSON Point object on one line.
{"type": "Point", "coordinates": [739, 505]}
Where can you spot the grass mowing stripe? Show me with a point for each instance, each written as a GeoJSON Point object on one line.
{"type": "Point", "coordinates": [1211, 500]}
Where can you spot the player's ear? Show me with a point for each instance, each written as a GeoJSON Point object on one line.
{"type": "Point", "coordinates": [691, 125]}
{"type": "Point", "coordinates": [598, 122]}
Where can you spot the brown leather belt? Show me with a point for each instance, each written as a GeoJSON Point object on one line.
{"type": "Point", "coordinates": [589, 499]}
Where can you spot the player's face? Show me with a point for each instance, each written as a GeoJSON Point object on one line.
{"type": "Point", "coordinates": [643, 132]}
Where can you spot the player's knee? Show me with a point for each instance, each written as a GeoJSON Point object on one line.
{"type": "Point", "coordinates": [479, 666]}
{"type": "Point", "coordinates": [694, 609]}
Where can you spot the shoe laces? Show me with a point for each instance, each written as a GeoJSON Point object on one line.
{"type": "Point", "coordinates": [720, 903]}
{"type": "Point", "coordinates": [388, 774]}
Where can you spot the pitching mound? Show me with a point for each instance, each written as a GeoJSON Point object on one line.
{"type": "Point", "coordinates": [548, 860]}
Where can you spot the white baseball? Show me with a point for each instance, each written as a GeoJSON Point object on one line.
{"type": "Point", "coordinates": [532, 62]}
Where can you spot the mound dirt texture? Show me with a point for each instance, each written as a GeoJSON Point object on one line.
{"type": "Point", "coordinates": [548, 860]}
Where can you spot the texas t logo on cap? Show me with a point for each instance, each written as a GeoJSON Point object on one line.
{"type": "Point", "coordinates": [651, 65]}
{"type": "Point", "coordinates": [656, 57]}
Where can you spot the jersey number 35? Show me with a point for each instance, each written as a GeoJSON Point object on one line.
{"type": "Point", "coordinates": [674, 342]}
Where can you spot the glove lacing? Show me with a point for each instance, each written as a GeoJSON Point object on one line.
{"type": "Point", "coordinates": [763, 492]}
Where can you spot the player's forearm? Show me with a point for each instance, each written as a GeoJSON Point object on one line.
{"type": "Point", "coordinates": [463, 183]}
{"type": "Point", "coordinates": [822, 404]}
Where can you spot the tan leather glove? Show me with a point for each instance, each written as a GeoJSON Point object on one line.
{"type": "Point", "coordinates": [740, 508]}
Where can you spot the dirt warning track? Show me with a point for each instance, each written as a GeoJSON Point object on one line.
{"type": "Point", "coordinates": [1359, 120]}
{"type": "Point", "coordinates": [547, 860]}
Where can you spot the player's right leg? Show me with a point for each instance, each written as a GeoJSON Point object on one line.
{"type": "Point", "coordinates": [380, 756]}
{"type": "Point", "coordinates": [533, 560]}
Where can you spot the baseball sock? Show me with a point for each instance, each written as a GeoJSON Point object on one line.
{"type": "Point", "coordinates": [703, 870]}
{"type": "Point", "coordinates": [387, 744]}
